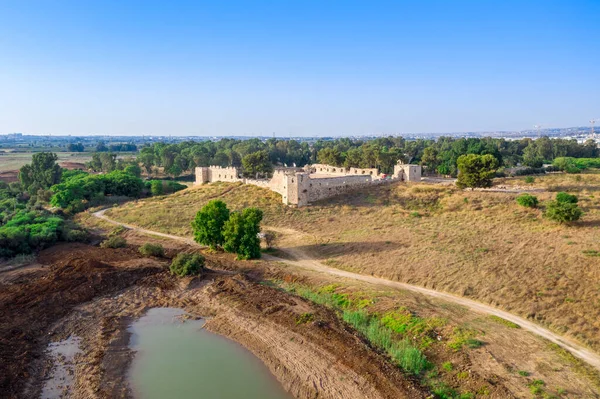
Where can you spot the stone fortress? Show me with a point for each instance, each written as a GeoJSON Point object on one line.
{"type": "Point", "coordinates": [303, 186]}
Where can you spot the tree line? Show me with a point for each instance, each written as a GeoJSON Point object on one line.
{"type": "Point", "coordinates": [436, 156]}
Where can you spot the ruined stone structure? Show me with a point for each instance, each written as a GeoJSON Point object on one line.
{"type": "Point", "coordinates": [303, 186]}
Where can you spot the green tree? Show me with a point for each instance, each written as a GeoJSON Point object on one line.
{"type": "Point", "coordinates": [532, 157]}
{"type": "Point", "coordinates": [241, 231]}
{"type": "Point", "coordinates": [562, 212]}
{"type": "Point", "coordinates": [330, 156]}
{"type": "Point", "coordinates": [72, 147]}
{"type": "Point", "coordinates": [101, 147]}
{"type": "Point", "coordinates": [220, 159]}
{"type": "Point", "coordinates": [133, 169]}
{"type": "Point", "coordinates": [476, 170]}
{"type": "Point", "coordinates": [257, 164]}
{"type": "Point", "coordinates": [430, 158]}
{"type": "Point", "coordinates": [108, 161]}
{"type": "Point", "coordinates": [209, 222]}
{"type": "Point", "coordinates": [43, 172]}
{"type": "Point", "coordinates": [147, 159]}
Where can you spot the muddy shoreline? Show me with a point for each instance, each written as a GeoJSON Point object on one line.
{"type": "Point", "coordinates": [322, 358]}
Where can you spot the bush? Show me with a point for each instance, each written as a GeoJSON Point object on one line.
{"type": "Point", "coordinates": [75, 235]}
{"type": "Point", "coordinates": [117, 231]}
{"type": "Point", "coordinates": [114, 242]}
{"type": "Point", "coordinates": [152, 250]}
{"type": "Point", "coordinates": [562, 212]}
{"type": "Point", "coordinates": [270, 238]}
{"type": "Point", "coordinates": [187, 264]}
{"type": "Point", "coordinates": [26, 232]}
{"type": "Point", "coordinates": [529, 180]}
{"type": "Point", "coordinates": [161, 187]}
{"type": "Point", "coordinates": [575, 165]}
{"type": "Point", "coordinates": [527, 200]}
{"type": "Point", "coordinates": [530, 171]}
{"type": "Point", "coordinates": [566, 197]}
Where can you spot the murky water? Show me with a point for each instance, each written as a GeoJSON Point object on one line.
{"type": "Point", "coordinates": [61, 379]}
{"type": "Point", "coordinates": [179, 359]}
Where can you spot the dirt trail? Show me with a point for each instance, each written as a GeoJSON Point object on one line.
{"type": "Point", "coordinates": [304, 261]}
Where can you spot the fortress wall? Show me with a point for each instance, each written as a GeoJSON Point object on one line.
{"type": "Point", "coordinates": [326, 187]}
{"type": "Point", "coordinates": [364, 171]}
{"type": "Point", "coordinates": [299, 188]}
{"type": "Point", "coordinates": [328, 169]}
{"type": "Point", "coordinates": [218, 173]}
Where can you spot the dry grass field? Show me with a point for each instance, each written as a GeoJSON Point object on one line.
{"type": "Point", "coordinates": [506, 364]}
{"type": "Point", "coordinates": [477, 244]}
{"type": "Point", "coordinates": [14, 160]}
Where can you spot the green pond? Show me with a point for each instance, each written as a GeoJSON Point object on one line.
{"type": "Point", "coordinates": [179, 359]}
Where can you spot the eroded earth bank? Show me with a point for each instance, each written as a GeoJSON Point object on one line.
{"type": "Point", "coordinates": [93, 294]}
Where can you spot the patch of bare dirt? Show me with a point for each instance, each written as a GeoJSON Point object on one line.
{"type": "Point", "coordinates": [9, 176]}
{"type": "Point", "coordinates": [33, 302]}
{"type": "Point", "coordinates": [94, 294]}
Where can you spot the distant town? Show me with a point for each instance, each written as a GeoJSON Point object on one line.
{"type": "Point", "coordinates": [15, 140]}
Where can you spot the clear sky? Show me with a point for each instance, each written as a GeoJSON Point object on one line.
{"type": "Point", "coordinates": [301, 68]}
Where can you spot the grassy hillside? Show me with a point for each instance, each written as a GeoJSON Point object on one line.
{"type": "Point", "coordinates": [478, 244]}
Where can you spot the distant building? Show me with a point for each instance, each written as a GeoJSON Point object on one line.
{"type": "Point", "coordinates": [303, 186]}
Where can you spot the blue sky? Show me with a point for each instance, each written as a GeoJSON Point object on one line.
{"type": "Point", "coordinates": [300, 68]}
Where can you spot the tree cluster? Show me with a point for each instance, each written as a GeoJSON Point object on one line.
{"type": "Point", "coordinates": [79, 190]}
{"type": "Point", "coordinates": [236, 232]}
{"type": "Point", "coordinates": [437, 156]}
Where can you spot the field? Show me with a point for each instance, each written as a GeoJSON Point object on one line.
{"type": "Point", "coordinates": [477, 244]}
{"type": "Point", "coordinates": [14, 160]}
{"type": "Point", "coordinates": [477, 356]}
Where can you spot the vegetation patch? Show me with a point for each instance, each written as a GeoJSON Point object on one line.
{"type": "Point", "coordinates": [187, 264]}
{"type": "Point", "coordinates": [114, 242]}
{"type": "Point", "coordinates": [504, 322]}
{"type": "Point", "coordinates": [149, 249]}
{"type": "Point", "coordinates": [305, 318]}
{"type": "Point", "coordinates": [464, 337]}
{"type": "Point", "coordinates": [527, 200]}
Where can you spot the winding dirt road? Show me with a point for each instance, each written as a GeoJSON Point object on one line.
{"type": "Point", "coordinates": [304, 261]}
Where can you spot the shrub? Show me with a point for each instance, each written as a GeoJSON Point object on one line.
{"type": "Point", "coordinates": [114, 242]}
{"type": "Point", "coordinates": [152, 250]}
{"type": "Point", "coordinates": [562, 212]}
{"type": "Point", "coordinates": [529, 180]}
{"type": "Point", "coordinates": [75, 235]}
{"type": "Point", "coordinates": [156, 187]}
{"type": "Point", "coordinates": [161, 187]}
{"type": "Point", "coordinates": [270, 238]}
{"type": "Point", "coordinates": [527, 200]}
{"type": "Point", "coordinates": [117, 231]}
{"type": "Point", "coordinates": [566, 197]}
{"type": "Point", "coordinates": [530, 171]}
{"type": "Point", "coordinates": [26, 232]}
{"type": "Point", "coordinates": [187, 264]}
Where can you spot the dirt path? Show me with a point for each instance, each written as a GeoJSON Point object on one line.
{"type": "Point", "coordinates": [304, 261]}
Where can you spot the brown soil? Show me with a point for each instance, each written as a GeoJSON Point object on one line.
{"type": "Point", "coordinates": [9, 176]}
{"type": "Point", "coordinates": [94, 294]}
{"type": "Point", "coordinates": [72, 165]}
{"type": "Point", "coordinates": [73, 274]}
